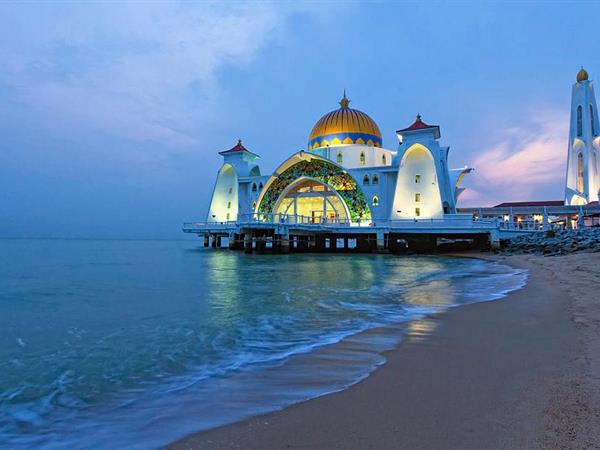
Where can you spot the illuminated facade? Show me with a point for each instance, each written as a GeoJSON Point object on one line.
{"type": "Point", "coordinates": [345, 176]}
{"type": "Point", "coordinates": [583, 177]}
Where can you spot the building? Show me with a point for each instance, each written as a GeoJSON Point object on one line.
{"type": "Point", "coordinates": [345, 176]}
{"type": "Point", "coordinates": [583, 177]}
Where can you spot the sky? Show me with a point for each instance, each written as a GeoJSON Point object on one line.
{"type": "Point", "coordinates": [112, 114]}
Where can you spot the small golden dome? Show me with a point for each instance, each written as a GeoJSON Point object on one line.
{"type": "Point", "coordinates": [582, 75]}
{"type": "Point", "coordinates": [344, 126]}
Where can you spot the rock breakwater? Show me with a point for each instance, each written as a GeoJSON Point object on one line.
{"type": "Point", "coordinates": [556, 242]}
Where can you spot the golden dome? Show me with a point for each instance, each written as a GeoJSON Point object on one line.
{"type": "Point", "coordinates": [344, 126]}
{"type": "Point", "coordinates": [582, 75]}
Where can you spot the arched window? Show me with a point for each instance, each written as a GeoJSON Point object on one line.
{"type": "Point", "coordinates": [580, 173]}
{"type": "Point", "coordinates": [383, 160]}
{"type": "Point", "coordinates": [253, 187]}
{"type": "Point", "coordinates": [340, 158]}
{"type": "Point", "coordinates": [375, 200]}
{"type": "Point", "coordinates": [253, 206]}
{"type": "Point", "coordinates": [362, 159]}
{"type": "Point", "coordinates": [228, 205]}
{"type": "Point", "coordinates": [579, 120]}
{"type": "Point", "coordinates": [375, 179]}
{"type": "Point", "coordinates": [592, 120]}
{"type": "Point", "coordinates": [366, 179]}
{"type": "Point", "coordinates": [417, 197]}
{"type": "Point", "coordinates": [260, 186]}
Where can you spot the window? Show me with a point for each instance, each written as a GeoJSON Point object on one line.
{"type": "Point", "coordinates": [253, 187]}
{"type": "Point", "coordinates": [253, 206]}
{"type": "Point", "coordinates": [579, 121]}
{"type": "Point", "coordinates": [592, 120]}
{"type": "Point", "coordinates": [375, 179]}
{"type": "Point", "coordinates": [417, 197]}
{"type": "Point", "coordinates": [228, 205]}
{"type": "Point", "coordinates": [260, 186]}
{"type": "Point", "coordinates": [383, 160]}
{"type": "Point", "coordinates": [339, 158]}
{"type": "Point", "coordinates": [417, 212]}
{"type": "Point", "coordinates": [580, 173]}
{"type": "Point", "coordinates": [363, 161]}
{"type": "Point", "coordinates": [375, 200]}
{"type": "Point", "coordinates": [230, 190]}
{"type": "Point", "coordinates": [227, 216]}
{"type": "Point", "coordinates": [366, 179]}
{"type": "Point", "coordinates": [417, 178]}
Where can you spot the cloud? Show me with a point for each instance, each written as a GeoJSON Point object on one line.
{"type": "Point", "coordinates": [525, 162]}
{"type": "Point", "coordinates": [140, 71]}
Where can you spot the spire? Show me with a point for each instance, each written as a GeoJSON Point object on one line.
{"type": "Point", "coordinates": [344, 102]}
{"type": "Point", "coordinates": [418, 118]}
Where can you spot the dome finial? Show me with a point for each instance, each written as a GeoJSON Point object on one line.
{"type": "Point", "coordinates": [419, 117]}
{"type": "Point", "coordinates": [582, 75]}
{"type": "Point", "coordinates": [344, 102]}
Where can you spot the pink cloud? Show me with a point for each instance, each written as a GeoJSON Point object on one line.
{"type": "Point", "coordinates": [524, 162]}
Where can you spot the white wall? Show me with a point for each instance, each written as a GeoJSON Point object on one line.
{"type": "Point", "coordinates": [417, 160]}
{"type": "Point", "coordinates": [351, 155]}
{"type": "Point", "coordinates": [224, 202]}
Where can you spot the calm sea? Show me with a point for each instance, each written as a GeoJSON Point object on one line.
{"type": "Point", "coordinates": [133, 344]}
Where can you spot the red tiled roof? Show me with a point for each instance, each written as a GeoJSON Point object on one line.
{"type": "Point", "coordinates": [239, 147]}
{"type": "Point", "coordinates": [543, 203]}
{"type": "Point", "coordinates": [418, 125]}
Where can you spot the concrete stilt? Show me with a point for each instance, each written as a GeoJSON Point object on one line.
{"type": "Point", "coordinates": [214, 241]}
{"type": "Point", "coordinates": [206, 240]}
{"type": "Point", "coordinates": [380, 241]}
{"type": "Point", "coordinates": [495, 239]}
{"type": "Point", "coordinates": [247, 242]}
{"type": "Point", "coordinates": [285, 243]}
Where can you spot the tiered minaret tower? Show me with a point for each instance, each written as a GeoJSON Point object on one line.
{"type": "Point", "coordinates": [583, 179]}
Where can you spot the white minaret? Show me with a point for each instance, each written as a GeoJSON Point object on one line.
{"type": "Point", "coordinates": [583, 179]}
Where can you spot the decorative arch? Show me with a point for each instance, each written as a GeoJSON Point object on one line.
{"type": "Point", "coordinates": [224, 201]}
{"type": "Point", "coordinates": [580, 184]}
{"type": "Point", "coordinates": [366, 179]}
{"type": "Point", "coordinates": [417, 175]}
{"type": "Point", "coordinates": [337, 204]}
{"type": "Point", "coordinates": [321, 169]}
{"type": "Point", "coordinates": [579, 120]}
{"type": "Point", "coordinates": [375, 179]}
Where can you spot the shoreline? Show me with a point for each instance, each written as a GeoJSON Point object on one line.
{"type": "Point", "coordinates": [502, 374]}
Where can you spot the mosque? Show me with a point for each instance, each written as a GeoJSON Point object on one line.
{"type": "Point", "coordinates": [347, 190]}
{"type": "Point", "coordinates": [345, 176]}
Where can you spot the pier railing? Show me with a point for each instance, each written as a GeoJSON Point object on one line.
{"type": "Point", "coordinates": [258, 219]}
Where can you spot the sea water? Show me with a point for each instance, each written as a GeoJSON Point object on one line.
{"type": "Point", "coordinates": [134, 344]}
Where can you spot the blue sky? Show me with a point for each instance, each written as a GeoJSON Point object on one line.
{"type": "Point", "coordinates": [112, 114]}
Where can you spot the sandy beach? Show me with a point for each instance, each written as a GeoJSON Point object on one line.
{"type": "Point", "coordinates": [523, 372]}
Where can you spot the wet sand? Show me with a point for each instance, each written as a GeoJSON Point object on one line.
{"type": "Point", "coordinates": [523, 372]}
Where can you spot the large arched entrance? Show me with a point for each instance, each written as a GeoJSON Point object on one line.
{"type": "Point", "coordinates": [313, 200]}
{"type": "Point", "coordinates": [308, 177]}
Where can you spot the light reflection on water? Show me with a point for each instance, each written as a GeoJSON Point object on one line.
{"type": "Point", "coordinates": [97, 336]}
